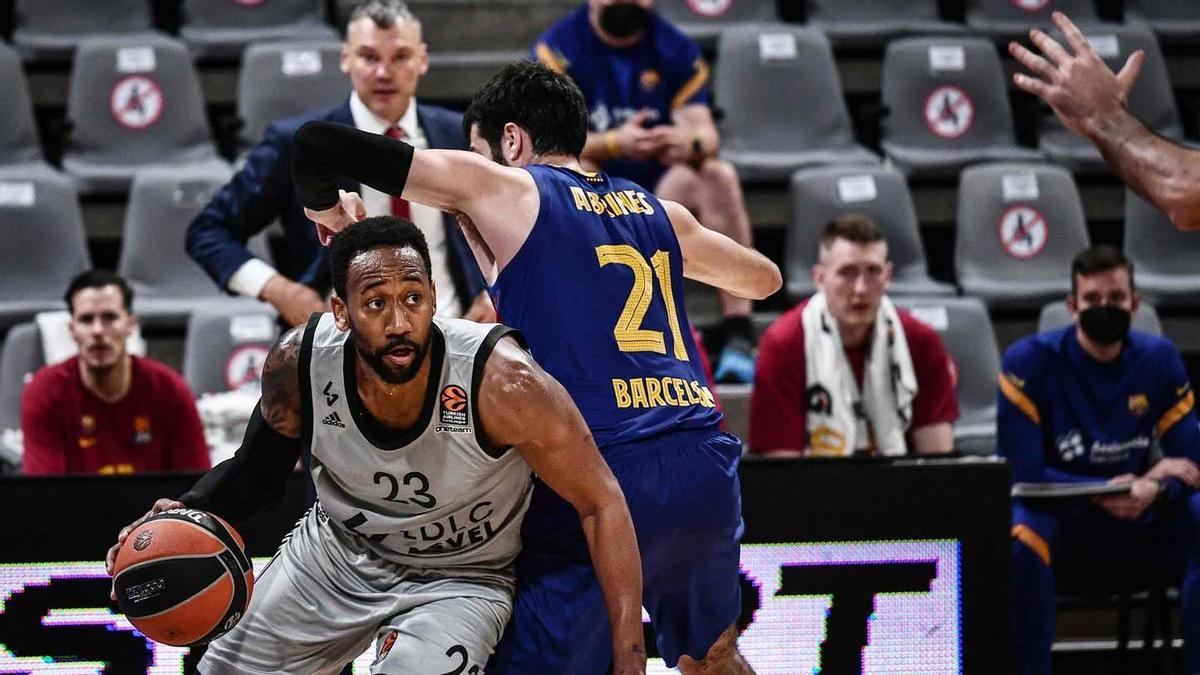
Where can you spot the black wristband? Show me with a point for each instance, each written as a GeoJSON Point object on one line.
{"type": "Point", "coordinates": [324, 151]}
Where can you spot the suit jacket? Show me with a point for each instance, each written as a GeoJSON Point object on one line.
{"type": "Point", "coordinates": [263, 191]}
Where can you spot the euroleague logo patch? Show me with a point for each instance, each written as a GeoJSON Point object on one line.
{"type": "Point", "coordinates": [136, 102]}
{"type": "Point", "coordinates": [385, 646]}
{"type": "Point", "coordinates": [454, 405]}
{"type": "Point", "coordinates": [142, 541]}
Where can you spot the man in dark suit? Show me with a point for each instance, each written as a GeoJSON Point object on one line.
{"type": "Point", "coordinates": [385, 57]}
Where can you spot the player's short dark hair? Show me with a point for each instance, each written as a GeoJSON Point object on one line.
{"type": "Point", "coordinates": [98, 279]}
{"type": "Point", "coordinates": [853, 227]}
{"type": "Point", "coordinates": [1097, 259]}
{"type": "Point", "coordinates": [544, 103]}
{"type": "Point", "coordinates": [385, 13]}
{"type": "Point", "coordinates": [368, 235]}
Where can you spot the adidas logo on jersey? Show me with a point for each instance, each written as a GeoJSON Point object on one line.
{"type": "Point", "coordinates": [333, 420]}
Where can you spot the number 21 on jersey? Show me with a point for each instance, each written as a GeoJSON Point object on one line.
{"type": "Point", "coordinates": [630, 335]}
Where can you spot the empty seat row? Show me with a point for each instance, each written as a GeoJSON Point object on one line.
{"type": "Point", "coordinates": [945, 103]}
{"type": "Point", "coordinates": [871, 23]}
{"type": "Point", "coordinates": [1018, 227]}
{"type": "Point", "coordinates": [42, 228]}
{"type": "Point", "coordinates": [49, 30]}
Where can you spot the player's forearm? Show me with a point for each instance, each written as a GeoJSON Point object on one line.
{"type": "Point", "coordinates": [253, 479]}
{"type": "Point", "coordinates": [613, 545]}
{"type": "Point", "coordinates": [1163, 172]}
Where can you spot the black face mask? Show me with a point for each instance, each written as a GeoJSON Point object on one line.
{"type": "Point", "coordinates": [624, 20]}
{"type": "Point", "coordinates": [1105, 325]}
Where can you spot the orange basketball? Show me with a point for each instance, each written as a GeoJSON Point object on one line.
{"type": "Point", "coordinates": [183, 578]}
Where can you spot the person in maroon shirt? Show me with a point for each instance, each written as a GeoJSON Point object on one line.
{"type": "Point", "coordinates": [853, 273]}
{"type": "Point", "coordinates": [106, 411]}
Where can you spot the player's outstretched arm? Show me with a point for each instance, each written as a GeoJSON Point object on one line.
{"type": "Point", "coordinates": [256, 476]}
{"type": "Point", "coordinates": [450, 180]}
{"type": "Point", "coordinates": [523, 406]}
{"type": "Point", "coordinates": [1090, 100]}
{"type": "Point", "coordinates": [714, 259]}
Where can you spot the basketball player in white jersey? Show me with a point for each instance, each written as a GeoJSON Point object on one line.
{"type": "Point", "coordinates": [422, 434]}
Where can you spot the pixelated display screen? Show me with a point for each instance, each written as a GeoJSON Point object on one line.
{"type": "Point", "coordinates": [888, 606]}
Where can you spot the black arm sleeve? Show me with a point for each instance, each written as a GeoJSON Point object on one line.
{"type": "Point", "coordinates": [324, 151]}
{"type": "Point", "coordinates": [250, 481]}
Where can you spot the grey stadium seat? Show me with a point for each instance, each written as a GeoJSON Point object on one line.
{"type": "Point", "coordinates": [168, 285]}
{"type": "Point", "coordinates": [871, 24]}
{"type": "Point", "coordinates": [822, 194]}
{"type": "Point", "coordinates": [19, 143]}
{"type": "Point", "coordinates": [946, 106]}
{"type": "Point", "coordinates": [1151, 99]}
{"type": "Point", "coordinates": [1005, 20]}
{"type": "Point", "coordinates": [1173, 21]}
{"type": "Point", "coordinates": [49, 30]}
{"type": "Point", "coordinates": [20, 359]}
{"type": "Point", "coordinates": [1019, 227]}
{"type": "Point", "coordinates": [779, 89]}
{"type": "Point", "coordinates": [225, 349]}
{"type": "Point", "coordinates": [280, 80]}
{"type": "Point", "coordinates": [1166, 261]}
{"type": "Point", "coordinates": [1056, 315]}
{"type": "Point", "coordinates": [43, 242]}
{"type": "Point", "coordinates": [966, 331]}
{"type": "Point", "coordinates": [703, 20]}
{"type": "Point", "coordinates": [224, 28]}
{"type": "Point", "coordinates": [133, 105]}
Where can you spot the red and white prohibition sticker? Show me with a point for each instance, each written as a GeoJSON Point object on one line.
{"type": "Point", "coordinates": [136, 102]}
{"type": "Point", "coordinates": [949, 112]}
{"type": "Point", "coordinates": [1023, 232]}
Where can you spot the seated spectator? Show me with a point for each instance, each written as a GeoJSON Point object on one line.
{"type": "Point", "coordinates": [647, 94]}
{"type": "Point", "coordinates": [106, 411]}
{"type": "Point", "coordinates": [846, 372]}
{"type": "Point", "coordinates": [1086, 404]}
{"type": "Point", "coordinates": [384, 56]}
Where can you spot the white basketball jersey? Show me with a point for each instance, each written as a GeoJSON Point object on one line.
{"type": "Point", "coordinates": [435, 495]}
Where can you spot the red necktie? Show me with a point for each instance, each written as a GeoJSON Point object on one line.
{"type": "Point", "coordinates": [399, 206]}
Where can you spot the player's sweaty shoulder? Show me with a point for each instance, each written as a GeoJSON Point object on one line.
{"type": "Point", "coordinates": [515, 394]}
{"type": "Point", "coordinates": [281, 384]}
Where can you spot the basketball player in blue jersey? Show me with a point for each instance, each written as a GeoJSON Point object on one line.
{"type": "Point", "coordinates": [1092, 403]}
{"type": "Point", "coordinates": [591, 269]}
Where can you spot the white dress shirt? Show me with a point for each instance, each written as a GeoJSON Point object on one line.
{"type": "Point", "coordinates": [252, 276]}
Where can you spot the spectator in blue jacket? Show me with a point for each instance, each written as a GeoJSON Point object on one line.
{"type": "Point", "coordinates": [384, 55]}
{"type": "Point", "coordinates": [1091, 403]}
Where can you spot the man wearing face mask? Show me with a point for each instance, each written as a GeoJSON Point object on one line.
{"type": "Point", "coordinates": [646, 87]}
{"type": "Point", "coordinates": [1087, 404]}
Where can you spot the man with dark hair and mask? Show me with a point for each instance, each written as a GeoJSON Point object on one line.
{"type": "Point", "coordinates": [646, 86]}
{"type": "Point", "coordinates": [1087, 404]}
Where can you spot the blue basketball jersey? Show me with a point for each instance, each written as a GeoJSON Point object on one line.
{"type": "Point", "coordinates": [597, 290]}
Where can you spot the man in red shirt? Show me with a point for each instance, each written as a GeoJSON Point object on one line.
{"type": "Point", "coordinates": [106, 411]}
{"type": "Point", "coordinates": [848, 384]}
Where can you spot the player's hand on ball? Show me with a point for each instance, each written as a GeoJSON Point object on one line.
{"type": "Point", "coordinates": [161, 505]}
{"type": "Point", "coordinates": [349, 209]}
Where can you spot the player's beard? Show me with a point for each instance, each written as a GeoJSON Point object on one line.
{"type": "Point", "coordinates": [375, 359]}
